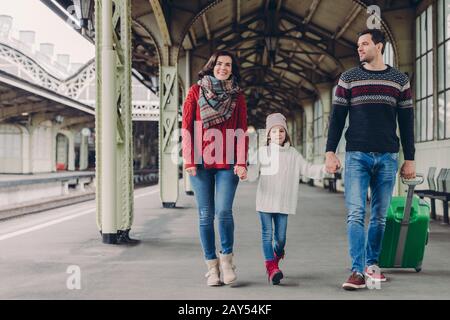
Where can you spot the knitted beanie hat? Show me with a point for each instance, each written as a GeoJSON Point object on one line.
{"type": "Point", "coordinates": [275, 119]}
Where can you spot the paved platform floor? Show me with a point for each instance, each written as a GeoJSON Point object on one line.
{"type": "Point", "coordinates": [37, 250]}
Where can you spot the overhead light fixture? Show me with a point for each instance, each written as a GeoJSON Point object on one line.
{"type": "Point", "coordinates": [86, 132]}
{"type": "Point", "coordinates": [271, 45]}
{"type": "Point", "coordinates": [59, 119]}
{"type": "Point", "coordinates": [83, 11]}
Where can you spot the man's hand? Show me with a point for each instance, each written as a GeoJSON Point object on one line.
{"type": "Point", "coordinates": [241, 172]}
{"type": "Point", "coordinates": [408, 169]}
{"type": "Point", "coordinates": [192, 171]}
{"type": "Point", "coordinates": [332, 163]}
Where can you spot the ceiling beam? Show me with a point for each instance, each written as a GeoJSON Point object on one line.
{"type": "Point", "coordinates": [11, 96]}
{"type": "Point", "coordinates": [311, 10]}
{"type": "Point", "coordinates": [269, 71]}
{"type": "Point", "coordinates": [238, 12]}
{"type": "Point", "coordinates": [193, 36]}
{"type": "Point", "coordinates": [313, 28]}
{"type": "Point", "coordinates": [205, 25]}
{"type": "Point", "coordinates": [9, 112]}
{"type": "Point", "coordinates": [77, 120]}
{"type": "Point", "coordinates": [161, 21]}
{"type": "Point", "coordinates": [347, 22]}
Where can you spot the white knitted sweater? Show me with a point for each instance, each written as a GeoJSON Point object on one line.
{"type": "Point", "coordinates": [279, 169]}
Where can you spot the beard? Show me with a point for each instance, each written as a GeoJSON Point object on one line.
{"type": "Point", "coordinates": [366, 59]}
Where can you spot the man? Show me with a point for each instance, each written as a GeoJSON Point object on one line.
{"type": "Point", "coordinates": [375, 96]}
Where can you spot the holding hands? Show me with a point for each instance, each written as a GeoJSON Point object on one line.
{"type": "Point", "coordinates": [332, 162]}
{"type": "Point", "coordinates": [241, 172]}
{"type": "Point", "coordinates": [192, 171]}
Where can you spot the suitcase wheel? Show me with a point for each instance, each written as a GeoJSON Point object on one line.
{"type": "Point", "coordinates": [418, 269]}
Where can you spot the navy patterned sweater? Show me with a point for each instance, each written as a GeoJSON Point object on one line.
{"type": "Point", "coordinates": [374, 101]}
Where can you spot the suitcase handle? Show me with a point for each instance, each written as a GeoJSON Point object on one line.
{"type": "Point", "coordinates": [411, 183]}
{"type": "Point", "coordinates": [415, 181]}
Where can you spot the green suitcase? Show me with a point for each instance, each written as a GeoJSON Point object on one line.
{"type": "Point", "coordinates": [406, 232]}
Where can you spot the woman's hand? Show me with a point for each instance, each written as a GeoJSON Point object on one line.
{"type": "Point", "coordinates": [192, 171]}
{"type": "Point", "coordinates": [241, 172]}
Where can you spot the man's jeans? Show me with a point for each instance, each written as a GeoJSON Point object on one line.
{"type": "Point", "coordinates": [377, 170]}
{"type": "Point", "coordinates": [214, 192]}
{"type": "Point", "coordinates": [280, 226]}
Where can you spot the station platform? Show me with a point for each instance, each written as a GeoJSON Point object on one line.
{"type": "Point", "coordinates": [37, 250]}
{"type": "Point", "coordinates": [29, 193]}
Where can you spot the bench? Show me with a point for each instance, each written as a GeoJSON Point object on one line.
{"type": "Point", "coordinates": [437, 191]}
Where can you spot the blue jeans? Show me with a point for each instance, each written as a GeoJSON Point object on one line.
{"type": "Point", "coordinates": [214, 191]}
{"type": "Point", "coordinates": [377, 171]}
{"type": "Point", "coordinates": [280, 223]}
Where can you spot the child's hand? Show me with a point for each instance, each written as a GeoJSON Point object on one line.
{"type": "Point", "coordinates": [241, 172]}
{"type": "Point", "coordinates": [192, 171]}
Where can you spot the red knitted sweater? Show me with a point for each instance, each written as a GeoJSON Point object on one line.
{"type": "Point", "coordinates": [214, 140]}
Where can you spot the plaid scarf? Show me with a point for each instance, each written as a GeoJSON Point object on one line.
{"type": "Point", "coordinates": [217, 100]}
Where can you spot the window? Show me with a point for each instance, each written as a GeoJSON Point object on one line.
{"type": "Point", "coordinates": [424, 76]}
{"type": "Point", "coordinates": [443, 67]}
{"type": "Point", "coordinates": [318, 127]}
{"type": "Point", "coordinates": [304, 125]}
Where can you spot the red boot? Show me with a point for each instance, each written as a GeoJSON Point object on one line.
{"type": "Point", "coordinates": [278, 258]}
{"type": "Point", "coordinates": [275, 274]}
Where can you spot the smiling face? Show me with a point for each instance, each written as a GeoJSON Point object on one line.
{"type": "Point", "coordinates": [277, 135]}
{"type": "Point", "coordinates": [367, 49]}
{"type": "Point", "coordinates": [223, 68]}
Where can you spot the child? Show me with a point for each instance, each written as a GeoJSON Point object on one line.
{"type": "Point", "coordinates": [280, 167]}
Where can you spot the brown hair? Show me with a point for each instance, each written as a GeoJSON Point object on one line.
{"type": "Point", "coordinates": [286, 139]}
{"type": "Point", "coordinates": [208, 68]}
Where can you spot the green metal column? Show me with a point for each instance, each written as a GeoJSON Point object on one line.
{"type": "Point", "coordinates": [168, 144]}
{"type": "Point", "coordinates": [186, 179]}
{"type": "Point", "coordinates": [114, 170]}
{"type": "Point", "coordinates": [125, 203]}
{"type": "Point", "coordinates": [169, 147]}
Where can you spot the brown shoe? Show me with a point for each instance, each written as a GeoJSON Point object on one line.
{"type": "Point", "coordinates": [355, 281]}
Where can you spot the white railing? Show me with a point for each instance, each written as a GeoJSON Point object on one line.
{"type": "Point", "coordinates": [72, 86]}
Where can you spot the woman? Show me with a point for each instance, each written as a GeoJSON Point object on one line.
{"type": "Point", "coordinates": [215, 156]}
